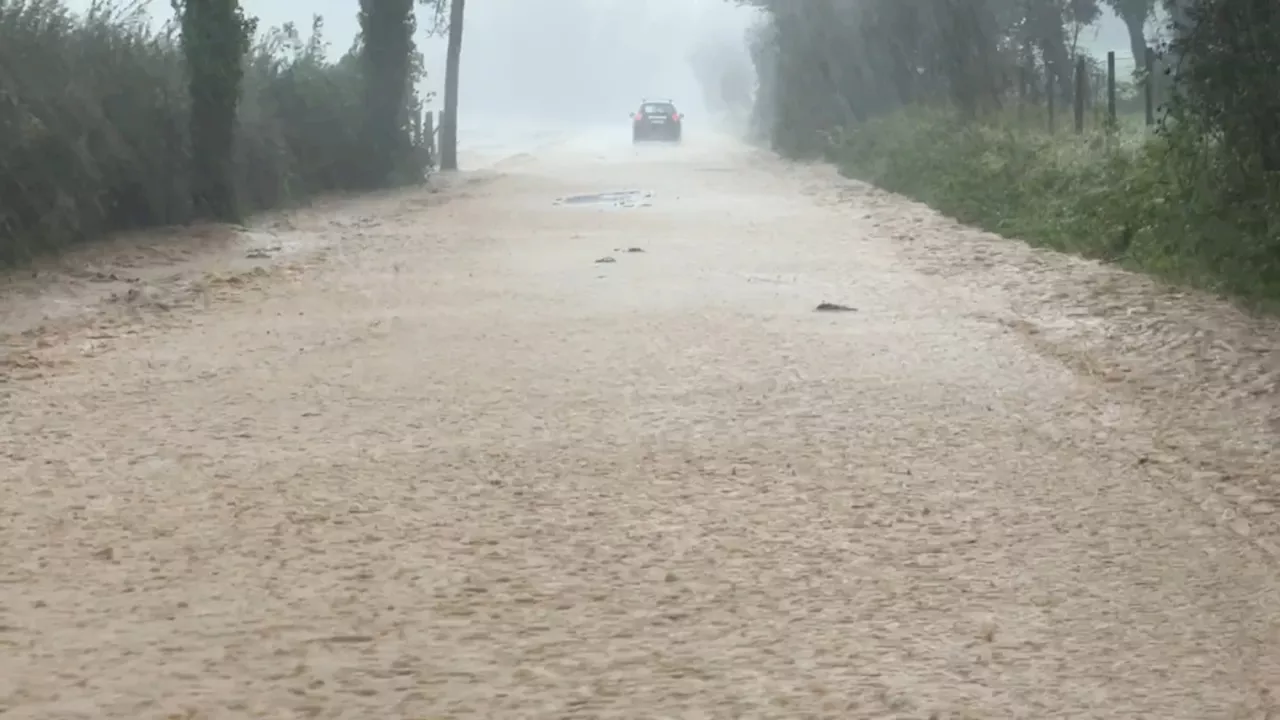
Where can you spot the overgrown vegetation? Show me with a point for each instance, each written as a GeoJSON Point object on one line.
{"type": "Point", "coordinates": [105, 126]}
{"type": "Point", "coordinates": [936, 99]}
{"type": "Point", "coordinates": [387, 61]}
{"type": "Point", "coordinates": [215, 38]}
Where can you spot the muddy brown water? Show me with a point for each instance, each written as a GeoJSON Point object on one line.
{"type": "Point", "coordinates": [439, 463]}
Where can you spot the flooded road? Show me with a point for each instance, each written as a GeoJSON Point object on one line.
{"type": "Point", "coordinates": [444, 463]}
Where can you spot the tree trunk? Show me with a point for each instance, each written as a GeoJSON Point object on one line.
{"type": "Point", "coordinates": [1135, 17]}
{"type": "Point", "coordinates": [387, 26]}
{"type": "Point", "coordinates": [449, 120]}
{"type": "Point", "coordinates": [968, 43]}
{"type": "Point", "coordinates": [215, 37]}
{"type": "Point", "coordinates": [1045, 27]}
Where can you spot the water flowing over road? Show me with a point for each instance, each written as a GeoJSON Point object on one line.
{"type": "Point", "coordinates": [466, 451]}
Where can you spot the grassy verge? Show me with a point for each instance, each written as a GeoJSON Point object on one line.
{"type": "Point", "coordinates": [1154, 204]}
{"type": "Point", "coordinates": [93, 125]}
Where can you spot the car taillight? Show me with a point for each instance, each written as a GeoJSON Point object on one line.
{"type": "Point", "coordinates": [639, 117]}
{"type": "Point", "coordinates": [675, 116]}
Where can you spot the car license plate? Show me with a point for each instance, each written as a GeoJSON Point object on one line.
{"type": "Point", "coordinates": [657, 119]}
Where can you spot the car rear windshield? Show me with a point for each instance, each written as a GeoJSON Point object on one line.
{"type": "Point", "coordinates": [664, 108]}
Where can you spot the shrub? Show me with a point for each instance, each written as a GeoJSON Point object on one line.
{"type": "Point", "coordinates": [1153, 204]}
{"type": "Point", "coordinates": [1199, 202]}
{"type": "Point", "coordinates": [94, 125]}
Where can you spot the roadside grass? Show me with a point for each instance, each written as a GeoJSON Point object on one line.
{"type": "Point", "coordinates": [93, 125]}
{"type": "Point", "coordinates": [1163, 205]}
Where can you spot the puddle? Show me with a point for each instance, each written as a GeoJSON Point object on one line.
{"type": "Point", "coordinates": [620, 199]}
{"type": "Point", "coordinates": [263, 245]}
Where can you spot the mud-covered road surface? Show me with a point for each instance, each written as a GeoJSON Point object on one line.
{"type": "Point", "coordinates": [467, 452]}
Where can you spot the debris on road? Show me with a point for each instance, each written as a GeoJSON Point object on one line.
{"type": "Point", "coordinates": [620, 199]}
{"type": "Point", "coordinates": [833, 307]}
{"type": "Point", "coordinates": [262, 253]}
{"type": "Point", "coordinates": [143, 296]}
{"type": "Point", "coordinates": [606, 259]}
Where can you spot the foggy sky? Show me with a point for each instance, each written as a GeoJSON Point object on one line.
{"type": "Point", "coordinates": [585, 60]}
{"type": "Point", "coordinates": [588, 60]}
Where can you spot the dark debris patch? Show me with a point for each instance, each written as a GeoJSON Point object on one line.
{"type": "Point", "coordinates": [606, 259]}
{"type": "Point", "coordinates": [622, 199]}
{"type": "Point", "coordinates": [833, 307]}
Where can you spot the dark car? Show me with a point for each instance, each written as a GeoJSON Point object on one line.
{"type": "Point", "coordinates": [656, 120]}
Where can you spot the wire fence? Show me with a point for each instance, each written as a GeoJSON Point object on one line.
{"type": "Point", "coordinates": [1108, 93]}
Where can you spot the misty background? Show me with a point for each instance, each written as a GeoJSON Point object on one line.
{"type": "Point", "coordinates": [581, 62]}
{"type": "Point", "coordinates": [536, 65]}
{"type": "Point", "coordinates": [1006, 113]}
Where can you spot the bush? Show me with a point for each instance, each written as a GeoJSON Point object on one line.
{"type": "Point", "coordinates": [1154, 204]}
{"type": "Point", "coordinates": [94, 126]}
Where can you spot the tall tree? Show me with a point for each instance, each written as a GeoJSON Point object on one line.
{"type": "Point", "coordinates": [449, 122]}
{"type": "Point", "coordinates": [1227, 81]}
{"type": "Point", "coordinates": [387, 54]}
{"type": "Point", "coordinates": [215, 37]}
{"type": "Point", "coordinates": [1135, 14]}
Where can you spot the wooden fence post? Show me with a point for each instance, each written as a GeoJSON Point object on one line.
{"type": "Point", "coordinates": [1050, 98]}
{"type": "Point", "coordinates": [1022, 93]}
{"type": "Point", "coordinates": [1111, 89]}
{"type": "Point", "coordinates": [1149, 86]}
{"type": "Point", "coordinates": [429, 136]}
{"type": "Point", "coordinates": [1082, 82]}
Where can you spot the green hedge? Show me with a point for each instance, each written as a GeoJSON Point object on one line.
{"type": "Point", "coordinates": [1154, 203]}
{"type": "Point", "coordinates": [93, 125]}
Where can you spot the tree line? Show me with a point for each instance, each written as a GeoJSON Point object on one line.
{"type": "Point", "coordinates": [216, 37]}
{"type": "Point", "coordinates": [1204, 190]}
{"type": "Point", "coordinates": [872, 56]}
{"type": "Point", "coordinates": [107, 124]}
